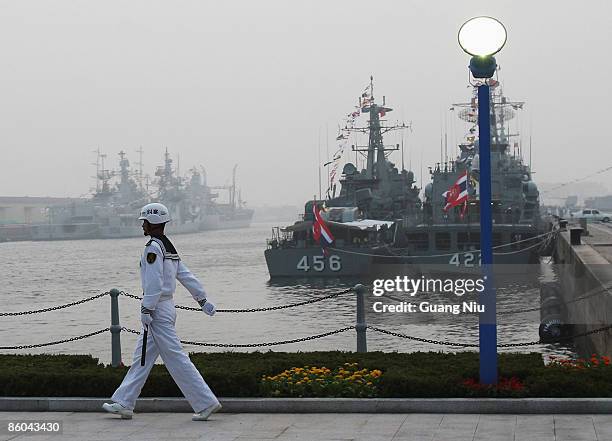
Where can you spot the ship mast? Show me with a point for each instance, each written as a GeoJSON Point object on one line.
{"type": "Point", "coordinates": [233, 190]}
{"type": "Point", "coordinates": [97, 164]}
{"type": "Point", "coordinates": [502, 111]}
{"type": "Point", "coordinates": [374, 125]}
{"type": "Point", "coordinates": [376, 151]}
{"type": "Point", "coordinates": [140, 166]}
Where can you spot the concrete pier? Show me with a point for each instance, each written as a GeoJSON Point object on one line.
{"type": "Point", "coordinates": [585, 270]}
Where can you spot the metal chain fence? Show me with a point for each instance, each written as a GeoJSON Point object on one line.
{"type": "Point", "coordinates": [360, 327]}
{"type": "Point", "coordinates": [267, 308]}
{"type": "Point", "coordinates": [40, 345]}
{"type": "Point", "coordinates": [55, 308]}
{"type": "Point", "coordinates": [499, 345]}
{"type": "Point", "coordinates": [256, 345]}
{"type": "Point", "coordinates": [316, 336]}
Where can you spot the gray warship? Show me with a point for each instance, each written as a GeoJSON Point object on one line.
{"type": "Point", "coordinates": [448, 237]}
{"type": "Point", "coordinates": [409, 236]}
{"type": "Point", "coordinates": [103, 214]}
{"type": "Point", "coordinates": [109, 213]}
{"type": "Point", "coordinates": [365, 209]}
{"type": "Point", "coordinates": [231, 214]}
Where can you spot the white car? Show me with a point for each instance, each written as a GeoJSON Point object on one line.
{"type": "Point", "coordinates": [593, 215]}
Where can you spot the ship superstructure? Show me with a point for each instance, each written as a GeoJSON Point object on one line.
{"type": "Point", "coordinates": [451, 234]}
{"type": "Point", "coordinates": [368, 203]}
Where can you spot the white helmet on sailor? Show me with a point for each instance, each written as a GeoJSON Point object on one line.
{"type": "Point", "coordinates": [155, 213]}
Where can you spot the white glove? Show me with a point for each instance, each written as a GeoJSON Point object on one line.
{"type": "Point", "coordinates": [145, 317]}
{"type": "Point", "coordinates": [207, 307]}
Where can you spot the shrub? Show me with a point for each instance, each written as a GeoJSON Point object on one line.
{"type": "Point", "coordinates": [237, 374]}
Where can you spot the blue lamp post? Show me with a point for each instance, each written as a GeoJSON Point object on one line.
{"type": "Point", "coordinates": [482, 37]}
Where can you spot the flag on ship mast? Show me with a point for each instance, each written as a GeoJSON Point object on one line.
{"type": "Point", "coordinates": [458, 193]}
{"type": "Point", "coordinates": [320, 231]}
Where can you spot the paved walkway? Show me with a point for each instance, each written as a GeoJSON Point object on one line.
{"type": "Point", "coordinates": [319, 427]}
{"type": "Point", "coordinates": [600, 238]}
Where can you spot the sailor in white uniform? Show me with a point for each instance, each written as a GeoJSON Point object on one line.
{"type": "Point", "coordinates": [160, 267]}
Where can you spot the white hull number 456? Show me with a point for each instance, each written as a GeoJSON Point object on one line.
{"type": "Point", "coordinates": [318, 263]}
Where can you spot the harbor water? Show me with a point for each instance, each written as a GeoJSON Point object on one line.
{"type": "Point", "coordinates": [231, 265]}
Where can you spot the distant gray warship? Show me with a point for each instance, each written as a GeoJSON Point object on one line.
{"type": "Point", "coordinates": [233, 214]}
{"type": "Point", "coordinates": [110, 212]}
{"type": "Point", "coordinates": [436, 235]}
{"type": "Point", "coordinates": [369, 202]}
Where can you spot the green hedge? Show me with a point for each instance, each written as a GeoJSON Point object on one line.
{"type": "Point", "coordinates": [420, 374]}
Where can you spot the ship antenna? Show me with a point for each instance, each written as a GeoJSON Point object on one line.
{"type": "Point", "coordinates": [319, 163]}
{"type": "Point", "coordinates": [410, 157]}
{"type": "Point", "coordinates": [327, 156]}
{"type": "Point", "coordinates": [233, 194]}
{"type": "Point", "coordinates": [372, 87]}
{"type": "Point", "coordinates": [441, 143]}
{"type": "Point", "coordinates": [530, 166]}
{"type": "Point", "coordinates": [97, 151]}
{"type": "Point", "coordinates": [140, 152]}
{"type": "Point", "coordinates": [421, 185]}
{"type": "Point", "coordinates": [445, 139]}
{"type": "Point", "coordinates": [403, 166]}
{"type": "Point", "coordinates": [530, 129]}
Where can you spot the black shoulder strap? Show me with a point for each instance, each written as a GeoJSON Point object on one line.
{"type": "Point", "coordinates": [166, 246]}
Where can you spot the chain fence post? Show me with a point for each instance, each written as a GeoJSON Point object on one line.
{"type": "Point", "coordinates": [361, 324]}
{"type": "Point", "coordinates": [115, 329]}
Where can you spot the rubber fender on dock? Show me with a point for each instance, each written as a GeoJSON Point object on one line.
{"type": "Point", "coordinates": [552, 328]}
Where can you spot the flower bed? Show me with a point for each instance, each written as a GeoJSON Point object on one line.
{"type": "Point", "coordinates": [505, 387]}
{"type": "Point", "coordinates": [312, 381]}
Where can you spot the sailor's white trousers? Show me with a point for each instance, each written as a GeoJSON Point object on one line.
{"type": "Point", "coordinates": [162, 340]}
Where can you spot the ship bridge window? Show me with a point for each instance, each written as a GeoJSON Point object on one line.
{"type": "Point", "coordinates": [468, 241]}
{"type": "Point", "coordinates": [443, 241]}
{"type": "Point", "coordinates": [419, 241]}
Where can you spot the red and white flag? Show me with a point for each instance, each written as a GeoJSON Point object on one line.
{"type": "Point", "coordinates": [320, 231]}
{"type": "Point", "coordinates": [458, 193]}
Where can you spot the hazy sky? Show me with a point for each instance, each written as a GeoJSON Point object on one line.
{"type": "Point", "coordinates": [254, 82]}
